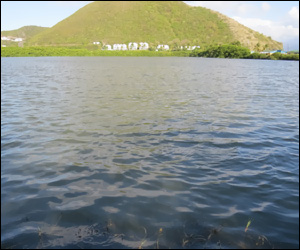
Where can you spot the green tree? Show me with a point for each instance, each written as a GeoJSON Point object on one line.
{"type": "Point", "coordinates": [224, 51]}
{"type": "Point", "coordinates": [237, 43]}
{"type": "Point", "coordinates": [257, 47]}
{"type": "Point", "coordinates": [266, 46]}
{"type": "Point", "coordinates": [175, 44]}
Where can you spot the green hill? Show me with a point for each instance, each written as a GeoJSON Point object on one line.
{"type": "Point", "coordinates": [25, 32]}
{"type": "Point", "coordinates": [155, 22]}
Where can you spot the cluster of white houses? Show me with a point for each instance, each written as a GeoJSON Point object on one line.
{"type": "Point", "coordinates": [140, 46]}
{"type": "Point", "coordinates": [10, 38]}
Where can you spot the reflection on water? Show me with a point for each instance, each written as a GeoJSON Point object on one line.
{"type": "Point", "coordinates": [149, 152]}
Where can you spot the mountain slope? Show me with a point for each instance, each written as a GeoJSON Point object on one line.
{"type": "Point", "coordinates": [154, 22]}
{"type": "Point", "coordinates": [24, 32]}
{"type": "Point", "coordinates": [247, 36]}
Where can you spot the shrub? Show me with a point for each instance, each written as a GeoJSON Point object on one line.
{"type": "Point", "coordinates": [223, 51]}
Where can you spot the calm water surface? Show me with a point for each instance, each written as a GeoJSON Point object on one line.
{"type": "Point", "coordinates": [124, 152]}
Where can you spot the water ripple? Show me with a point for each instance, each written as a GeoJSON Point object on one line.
{"type": "Point", "coordinates": [164, 153]}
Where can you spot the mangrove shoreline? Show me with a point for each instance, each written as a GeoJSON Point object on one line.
{"type": "Point", "coordinates": [223, 51]}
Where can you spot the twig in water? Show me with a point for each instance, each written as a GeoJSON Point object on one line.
{"type": "Point", "coordinates": [143, 240]}
{"type": "Point", "coordinates": [248, 224]}
{"type": "Point", "coordinates": [40, 237]}
{"type": "Point", "coordinates": [159, 234]}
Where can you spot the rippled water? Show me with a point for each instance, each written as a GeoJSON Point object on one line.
{"type": "Point", "coordinates": [149, 152]}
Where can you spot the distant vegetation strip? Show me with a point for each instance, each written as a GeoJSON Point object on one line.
{"type": "Point", "coordinates": [236, 51]}
{"type": "Point", "coordinates": [223, 51]}
{"type": "Point", "coordinates": [275, 56]}
{"type": "Point", "coordinates": [50, 51]}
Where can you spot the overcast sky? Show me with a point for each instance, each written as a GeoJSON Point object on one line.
{"type": "Point", "coordinates": [278, 19]}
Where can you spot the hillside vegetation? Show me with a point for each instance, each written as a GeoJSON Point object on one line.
{"type": "Point", "coordinates": [24, 32]}
{"type": "Point", "coordinates": [156, 22]}
{"type": "Point", "coordinates": [248, 37]}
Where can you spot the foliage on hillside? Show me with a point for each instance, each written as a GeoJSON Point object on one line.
{"type": "Point", "coordinates": [156, 22]}
{"type": "Point", "coordinates": [24, 32]}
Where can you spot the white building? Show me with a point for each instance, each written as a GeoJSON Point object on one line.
{"type": "Point", "coordinates": [119, 47]}
{"type": "Point", "coordinates": [162, 47]}
{"type": "Point", "coordinates": [107, 47]}
{"type": "Point", "coordinates": [13, 39]}
{"type": "Point", "coordinates": [18, 39]}
{"type": "Point", "coordinates": [190, 47]}
{"type": "Point", "coordinates": [132, 46]}
{"type": "Point", "coordinates": [144, 46]}
{"type": "Point", "coordinates": [116, 47]}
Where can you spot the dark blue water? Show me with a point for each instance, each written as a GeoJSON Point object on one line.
{"type": "Point", "coordinates": [149, 153]}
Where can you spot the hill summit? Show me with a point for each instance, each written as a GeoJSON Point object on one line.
{"type": "Point", "coordinates": [154, 22]}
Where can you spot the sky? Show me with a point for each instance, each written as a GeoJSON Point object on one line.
{"type": "Point", "coordinates": [278, 19]}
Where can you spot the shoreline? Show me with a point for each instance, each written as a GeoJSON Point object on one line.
{"type": "Point", "coordinates": [83, 52]}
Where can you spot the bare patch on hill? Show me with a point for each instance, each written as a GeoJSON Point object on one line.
{"type": "Point", "coordinates": [247, 36]}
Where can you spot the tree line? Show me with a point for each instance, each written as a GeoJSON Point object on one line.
{"type": "Point", "coordinates": [234, 50]}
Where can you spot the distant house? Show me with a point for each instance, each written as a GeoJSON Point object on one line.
{"type": "Point", "coordinates": [107, 47]}
{"type": "Point", "coordinates": [13, 39]}
{"type": "Point", "coordinates": [116, 47]}
{"type": "Point", "coordinates": [162, 47]}
{"type": "Point", "coordinates": [270, 52]}
{"type": "Point", "coordinates": [96, 42]}
{"type": "Point", "coordinates": [119, 47]}
{"type": "Point", "coordinates": [132, 46]}
{"type": "Point", "coordinates": [18, 39]}
{"type": "Point", "coordinates": [190, 47]}
{"type": "Point", "coordinates": [144, 46]}
{"type": "Point", "coordinates": [123, 47]}
{"type": "Point", "coordinates": [280, 51]}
